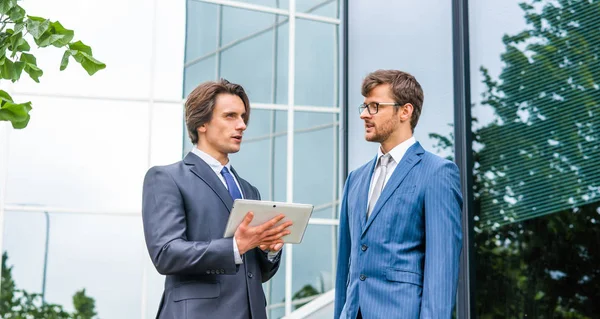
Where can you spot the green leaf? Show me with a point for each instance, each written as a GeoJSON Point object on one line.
{"type": "Point", "coordinates": [89, 63]}
{"type": "Point", "coordinates": [80, 46]}
{"type": "Point", "coordinates": [18, 67]}
{"type": "Point", "coordinates": [28, 58]}
{"type": "Point", "coordinates": [23, 45]}
{"type": "Point", "coordinates": [19, 27]}
{"type": "Point", "coordinates": [31, 66]}
{"type": "Point", "coordinates": [6, 5]}
{"type": "Point", "coordinates": [16, 14]}
{"type": "Point", "coordinates": [63, 36]}
{"type": "Point", "coordinates": [56, 35]}
{"type": "Point", "coordinates": [16, 113]}
{"type": "Point", "coordinates": [539, 295]}
{"type": "Point", "coordinates": [5, 97]}
{"type": "Point", "coordinates": [65, 60]}
{"type": "Point", "coordinates": [37, 26]}
{"type": "Point", "coordinates": [17, 43]}
{"type": "Point", "coordinates": [7, 70]}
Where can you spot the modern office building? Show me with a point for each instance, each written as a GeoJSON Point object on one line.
{"type": "Point", "coordinates": [512, 94]}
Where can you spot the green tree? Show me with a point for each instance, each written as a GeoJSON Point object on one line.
{"type": "Point", "coordinates": [20, 304]}
{"type": "Point", "coordinates": [85, 307]}
{"type": "Point", "coordinates": [15, 27]}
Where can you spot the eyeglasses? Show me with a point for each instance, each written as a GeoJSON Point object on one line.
{"type": "Point", "coordinates": [373, 107]}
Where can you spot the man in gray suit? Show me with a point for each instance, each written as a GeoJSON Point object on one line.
{"type": "Point", "coordinates": [185, 210]}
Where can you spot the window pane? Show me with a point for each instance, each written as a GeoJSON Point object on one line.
{"type": "Point", "coordinates": [201, 29]}
{"type": "Point", "coordinates": [316, 64]}
{"type": "Point", "coordinates": [197, 73]}
{"type": "Point", "coordinates": [255, 53]}
{"type": "Point", "coordinates": [316, 277]}
{"type": "Point", "coordinates": [262, 157]}
{"type": "Point", "coordinates": [316, 163]}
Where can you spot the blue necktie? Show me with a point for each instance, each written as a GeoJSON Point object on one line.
{"type": "Point", "coordinates": [234, 191]}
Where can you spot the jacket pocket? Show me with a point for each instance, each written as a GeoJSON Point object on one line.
{"type": "Point", "coordinates": [404, 276]}
{"type": "Point", "coordinates": [197, 290]}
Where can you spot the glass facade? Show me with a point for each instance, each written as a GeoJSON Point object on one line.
{"type": "Point", "coordinates": [291, 147]}
{"type": "Point", "coordinates": [535, 92]}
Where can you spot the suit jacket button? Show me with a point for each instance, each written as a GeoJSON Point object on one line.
{"type": "Point", "coordinates": [208, 272]}
{"type": "Point", "coordinates": [362, 277]}
{"type": "Point", "coordinates": [250, 275]}
{"type": "Point", "coordinates": [212, 272]}
{"type": "Point", "coordinates": [363, 247]}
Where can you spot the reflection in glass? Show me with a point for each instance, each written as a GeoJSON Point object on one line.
{"type": "Point", "coordinates": [537, 186]}
{"type": "Point", "coordinates": [314, 261]}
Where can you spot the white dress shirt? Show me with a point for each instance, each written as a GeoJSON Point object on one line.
{"type": "Point", "coordinates": [217, 167]}
{"type": "Point", "coordinates": [396, 154]}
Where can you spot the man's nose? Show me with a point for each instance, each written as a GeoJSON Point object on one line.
{"type": "Point", "coordinates": [365, 114]}
{"type": "Point", "coordinates": [241, 125]}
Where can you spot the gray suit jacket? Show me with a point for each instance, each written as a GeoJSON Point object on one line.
{"type": "Point", "coordinates": [185, 211]}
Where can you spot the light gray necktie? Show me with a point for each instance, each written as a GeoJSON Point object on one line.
{"type": "Point", "coordinates": [383, 162]}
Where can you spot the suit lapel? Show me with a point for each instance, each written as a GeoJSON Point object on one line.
{"type": "Point", "coordinates": [363, 199]}
{"type": "Point", "coordinates": [206, 174]}
{"type": "Point", "coordinates": [409, 160]}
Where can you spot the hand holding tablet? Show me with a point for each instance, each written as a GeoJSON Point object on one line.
{"type": "Point", "coordinates": [264, 211]}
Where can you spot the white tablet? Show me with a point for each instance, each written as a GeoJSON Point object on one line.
{"type": "Point", "coordinates": [263, 211]}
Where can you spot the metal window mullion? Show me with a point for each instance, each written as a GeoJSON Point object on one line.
{"type": "Point", "coordinates": [272, 131]}
{"type": "Point", "coordinates": [336, 102]}
{"type": "Point", "coordinates": [247, 6]}
{"type": "Point", "coordinates": [219, 41]}
{"type": "Point", "coordinates": [463, 153]}
{"type": "Point", "coordinates": [290, 147]}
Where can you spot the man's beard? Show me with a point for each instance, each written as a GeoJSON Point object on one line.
{"type": "Point", "coordinates": [383, 132]}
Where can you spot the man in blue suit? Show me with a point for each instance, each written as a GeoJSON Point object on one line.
{"type": "Point", "coordinates": [400, 220]}
{"type": "Point", "coordinates": [185, 210]}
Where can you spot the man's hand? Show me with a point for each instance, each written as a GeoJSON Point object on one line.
{"type": "Point", "coordinates": [267, 234]}
{"type": "Point", "coordinates": [271, 248]}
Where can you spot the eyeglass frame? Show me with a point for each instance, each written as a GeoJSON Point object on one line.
{"type": "Point", "coordinates": [363, 106]}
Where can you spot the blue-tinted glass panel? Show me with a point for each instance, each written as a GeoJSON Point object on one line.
{"type": "Point", "coordinates": [197, 73]}
{"type": "Point", "coordinates": [315, 159]}
{"type": "Point", "coordinates": [262, 157]}
{"type": "Point", "coordinates": [201, 29]}
{"type": "Point", "coordinates": [316, 60]}
{"type": "Point", "coordinates": [317, 276]}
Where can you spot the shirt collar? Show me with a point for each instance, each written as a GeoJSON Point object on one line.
{"type": "Point", "coordinates": [211, 161]}
{"type": "Point", "coordinates": [399, 150]}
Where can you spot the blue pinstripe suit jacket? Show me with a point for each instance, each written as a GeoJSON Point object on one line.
{"type": "Point", "coordinates": [401, 262]}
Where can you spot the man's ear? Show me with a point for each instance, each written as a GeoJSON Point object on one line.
{"type": "Point", "coordinates": [201, 129]}
{"type": "Point", "coordinates": [406, 112]}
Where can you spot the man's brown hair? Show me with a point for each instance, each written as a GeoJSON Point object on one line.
{"type": "Point", "coordinates": [404, 88]}
{"type": "Point", "coordinates": [201, 103]}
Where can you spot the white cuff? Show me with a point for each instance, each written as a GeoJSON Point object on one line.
{"type": "Point", "coordinates": [236, 253]}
